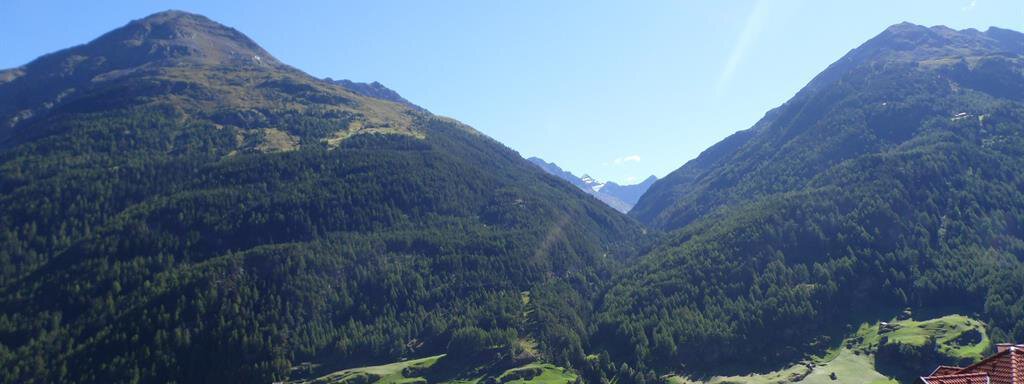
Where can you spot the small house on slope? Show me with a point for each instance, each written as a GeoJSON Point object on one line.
{"type": "Point", "coordinates": [1005, 367]}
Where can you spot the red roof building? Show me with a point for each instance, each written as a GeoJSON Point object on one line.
{"type": "Point", "coordinates": [1005, 367]}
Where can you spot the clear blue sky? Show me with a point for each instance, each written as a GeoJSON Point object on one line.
{"type": "Point", "coordinates": [616, 89]}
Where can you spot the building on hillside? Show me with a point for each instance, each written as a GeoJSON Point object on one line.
{"type": "Point", "coordinates": [1005, 367]}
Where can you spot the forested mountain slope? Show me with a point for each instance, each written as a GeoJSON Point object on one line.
{"type": "Point", "coordinates": [874, 98]}
{"type": "Point", "coordinates": [895, 178]}
{"type": "Point", "coordinates": [178, 206]}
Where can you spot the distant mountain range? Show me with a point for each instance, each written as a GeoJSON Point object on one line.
{"type": "Point", "coordinates": [620, 197]}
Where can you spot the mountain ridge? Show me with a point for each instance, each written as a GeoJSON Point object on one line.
{"type": "Point", "coordinates": [906, 45]}
{"type": "Point", "coordinates": [620, 197]}
{"type": "Point", "coordinates": [162, 37]}
{"type": "Point", "coordinates": [916, 43]}
{"type": "Point", "coordinates": [376, 90]}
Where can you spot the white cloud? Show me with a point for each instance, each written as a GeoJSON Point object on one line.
{"type": "Point", "coordinates": [971, 6]}
{"type": "Point", "coordinates": [631, 179]}
{"type": "Point", "coordinates": [627, 159]}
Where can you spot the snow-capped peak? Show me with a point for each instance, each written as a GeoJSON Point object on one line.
{"type": "Point", "coordinates": [592, 183]}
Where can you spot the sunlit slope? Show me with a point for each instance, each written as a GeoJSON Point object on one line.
{"type": "Point", "coordinates": [176, 205]}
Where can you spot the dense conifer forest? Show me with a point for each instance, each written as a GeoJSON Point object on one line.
{"type": "Point", "coordinates": [223, 221]}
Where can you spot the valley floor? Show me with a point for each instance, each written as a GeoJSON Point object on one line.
{"type": "Point", "coordinates": [953, 338]}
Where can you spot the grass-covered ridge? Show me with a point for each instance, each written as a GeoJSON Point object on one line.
{"type": "Point", "coordinates": [847, 366]}
{"type": "Point", "coordinates": [908, 348]}
{"type": "Point", "coordinates": [955, 337]}
{"type": "Point", "coordinates": [434, 370]}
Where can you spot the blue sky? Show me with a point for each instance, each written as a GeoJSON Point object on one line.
{"type": "Point", "coordinates": [616, 89]}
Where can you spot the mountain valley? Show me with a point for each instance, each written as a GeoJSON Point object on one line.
{"type": "Point", "coordinates": [178, 205]}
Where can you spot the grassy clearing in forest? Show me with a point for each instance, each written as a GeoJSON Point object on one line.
{"type": "Point", "coordinates": [395, 373]}
{"type": "Point", "coordinates": [854, 361]}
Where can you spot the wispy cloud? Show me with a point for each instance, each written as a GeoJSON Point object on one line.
{"type": "Point", "coordinates": [971, 6]}
{"type": "Point", "coordinates": [626, 159]}
{"type": "Point", "coordinates": [747, 36]}
{"type": "Point", "coordinates": [631, 179]}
